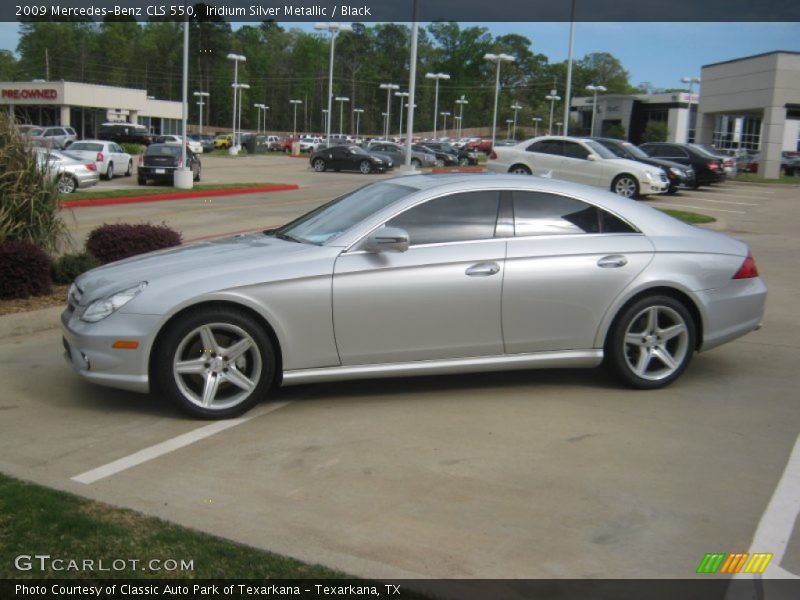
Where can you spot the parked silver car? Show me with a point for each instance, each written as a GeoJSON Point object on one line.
{"type": "Point", "coordinates": [71, 173]}
{"type": "Point", "coordinates": [416, 275]}
{"type": "Point", "coordinates": [109, 157]}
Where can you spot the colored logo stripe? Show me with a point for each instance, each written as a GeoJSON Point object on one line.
{"type": "Point", "coordinates": [711, 562]}
{"type": "Point", "coordinates": [731, 564]}
{"type": "Point", "coordinates": [734, 563]}
{"type": "Point", "coordinates": [758, 562]}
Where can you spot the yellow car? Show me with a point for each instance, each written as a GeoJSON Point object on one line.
{"type": "Point", "coordinates": [223, 141]}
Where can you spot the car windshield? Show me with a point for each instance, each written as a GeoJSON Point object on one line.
{"type": "Point", "coordinates": [600, 150]}
{"type": "Point", "coordinates": [35, 132]}
{"type": "Point", "coordinates": [163, 150]}
{"type": "Point", "coordinates": [339, 215]}
{"type": "Point", "coordinates": [357, 150]}
{"type": "Point", "coordinates": [634, 150]}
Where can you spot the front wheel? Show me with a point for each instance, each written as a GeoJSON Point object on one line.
{"type": "Point", "coordinates": [129, 172]}
{"type": "Point", "coordinates": [67, 184]}
{"type": "Point", "coordinates": [520, 170]}
{"type": "Point", "coordinates": [651, 342]}
{"type": "Point", "coordinates": [319, 165]}
{"type": "Point", "coordinates": [626, 186]}
{"type": "Point", "coordinates": [463, 161]}
{"type": "Point", "coordinates": [365, 167]}
{"type": "Point", "coordinates": [215, 363]}
{"type": "Point", "coordinates": [415, 162]}
{"type": "Point", "coordinates": [439, 162]}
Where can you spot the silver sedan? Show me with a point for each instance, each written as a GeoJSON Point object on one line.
{"type": "Point", "coordinates": [417, 275]}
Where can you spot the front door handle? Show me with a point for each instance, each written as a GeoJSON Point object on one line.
{"type": "Point", "coordinates": [483, 269]}
{"type": "Point", "coordinates": [612, 262]}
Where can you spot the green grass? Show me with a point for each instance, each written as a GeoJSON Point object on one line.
{"type": "Point", "coordinates": [149, 190]}
{"type": "Point", "coordinates": [35, 520]}
{"type": "Point", "coordinates": [755, 178]}
{"type": "Point", "coordinates": [688, 217]}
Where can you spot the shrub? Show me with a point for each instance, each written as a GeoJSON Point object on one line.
{"type": "Point", "coordinates": [114, 242]}
{"type": "Point", "coordinates": [24, 270]}
{"type": "Point", "coordinates": [616, 131]}
{"type": "Point", "coordinates": [655, 131]}
{"type": "Point", "coordinates": [66, 269]}
{"type": "Point", "coordinates": [29, 210]}
{"type": "Point", "coordinates": [133, 149]}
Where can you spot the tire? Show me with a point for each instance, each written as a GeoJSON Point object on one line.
{"type": "Point", "coordinates": [319, 165]}
{"type": "Point", "coordinates": [365, 167]}
{"type": "Point", "coordinates": [141, 180]}
{"type": "Point", "coordinates": [197, 176]}
{"type": "Point", "coordinates": [520, 170]}
{"type": "Point", "coordinates": [626, 186]}
{"type": "Point", "coordinates": [215, 363]}
{"type": "Point", "coordinates": [439, 162]}
{"type": "Point", "coordinates": [415, 162]}
{"type": "Point", "coordinates": [129, 172]}
{"type": "Point", "coordinates": [672, 190]}
{"type": "Point", "coordinates": [110, 171]}
{"type": "Point", "coordinates": [67, 184]}
{"type": "Point", "coordinates": [463, 161]}
{"type": "Point", "coordinates": [651, 342]}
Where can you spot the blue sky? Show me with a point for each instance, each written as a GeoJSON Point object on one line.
{"type": "Point", "coordinates": [660, 53]}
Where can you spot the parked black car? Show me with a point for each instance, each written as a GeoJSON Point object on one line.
{"type": "Point", "coordinates": [708, 169]}
{"type": "Point", "coordinates": [160, 161]}
{"type": "Point", "coordinates": [678, 174]}
{"type": "Point", "coordinates": [125, 133]}
{"type": "Point", "coordinates": [348, 158]}
{"type": "Point", "coordinates": [463, 156]}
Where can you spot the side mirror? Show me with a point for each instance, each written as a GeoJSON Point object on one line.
{"type": "Point", "coordinates": [591, 157]}
{"type": "Point", "coordinates": [387, 239]}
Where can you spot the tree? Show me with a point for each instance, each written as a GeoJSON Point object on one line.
{"type": "Point", "coordinates": [616, 131]}
{"type": "Point", "coordinates": [655, 131]}
{"type": "Point", "coordinates": [8, 66]}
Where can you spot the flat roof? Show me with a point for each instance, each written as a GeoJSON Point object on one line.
{"type": "Point", "coordinates": [733, 60]}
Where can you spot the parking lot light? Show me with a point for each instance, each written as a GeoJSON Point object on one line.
{"type": "Point", "coordinates": [553, 97]}
{"type": "Point", "coordinates": [691, 81]}
{"type": "Point", "coordinates": [333, 29]}
{"type": "Point", "coordinates": [341, 100]}
{"type": "Point", "coordinates": [516, 107]}
{"type": "Point", "coordinates": [241, 86]}
{"type": "Point", "coordinates": [461, 102]}
{"type": "Point", "coordinates": [444, 126]}
{"type": "Point", "coordinates": [436, 77]}
{"type": "Point", "coordinates": [497, 59]}
{"type": "Point", "coordinates": [236, 58]}
{"type": "Point", "coordinates": [536, 121]}
{"type": "Point", "coordinates": [402, 96]}
{"type": "Point", "coordinates": [594, 89]}
{"type": "Point", "coordinates": [389, 87]}
{"type": "Point", "coordinates": [201, 104]}
{"type": "Point", "coordinates": [358, 112]}
{"type": "Point", "coordinates": [294, 127]}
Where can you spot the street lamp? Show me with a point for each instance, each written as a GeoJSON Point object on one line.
{"type": "Point", "coordinates": [516, 107]}
{"type": "Point", "coordinates": [389, 87]}
{"type": "Point", "coordinates": [358, 112]}
{"type": "Point", "coordinates": [236, 58]}
{"type": "Point", "coordinates": [553, 97]}
{"type": "Point", "coordinates": [294, 128]}
{"type": "Point", "coordinates": [201, 104]}
{"type": "Point", "coordinates": [385, 116]}
{"type": "Point", "coordinates": [536, 121]}
{"type": "Point", "coordinates": [436, 77]}
{"type": "Point", "coordinates": [402, 96]}
{"type": "Point", "coordinates": [265, 108]}
{"type": "Point", "coordinates": [258, 117]}
{"type": "Point", "coordinates": [333, 29]}
{"type": "Point", "coordinates": [691, 81]}
{"type": "Point", "coordinates": [457, 119]}
{"type": "Point", "coordinates": [444, 127]}
{"type": "Point", "coordinates": [324, 119]}
{"type": "Point", "coordinates": [594, 88]}
{"type": "Point", "coordinates": [497, 59]}
{"type": "Point", "coordinates": [240, 86]}
{"type": "Point", "coordinates": [341, 100]}
{"type": "Point", "coordinates": [559, 124]}
{"type": "Point", "coordinates": [461, 102]}
{"type": "Point", "coordinates": [508, 123]}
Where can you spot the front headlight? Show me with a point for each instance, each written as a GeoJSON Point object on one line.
{"type": "Point", "coordinates": [648, 175]}
{"type": "Point", "coordinates": [379, 161]}
{"type": "Point", "coordinates": [677, 171]}
{"type": "Point", "coordinates": [100, 309]}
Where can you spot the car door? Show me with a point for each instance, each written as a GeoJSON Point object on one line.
{"type": "Point", "coordinates": [576, 166]}
{"type": "Point", "coordinates": [565, 265]}
{"type": "Point", "coordinates": [544, 157]}
{"type": "Point", "coordinates": [439, 299]}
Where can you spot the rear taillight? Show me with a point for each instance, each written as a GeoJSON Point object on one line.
{"type": "Point", "coordinates": [712, 165]}
{"type": "Point", "coordinates": [748, 270]}
{"type": "Point", "coordinates": [91, 166]}
{"type": "Point", "coordinates": [493, 155]}
{"type": "Point", "coordinates": [99, 157]}
{"type": "Point", "coordinates": [728, 162]}
{"type": "Point", "coordinates": [141, 160]}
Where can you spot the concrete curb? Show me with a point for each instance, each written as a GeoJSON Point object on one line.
{"type": "Point", "coordinates": [33, 321]}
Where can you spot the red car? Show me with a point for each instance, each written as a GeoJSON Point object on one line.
{"type": "Point", "coordinates": [484, 146]}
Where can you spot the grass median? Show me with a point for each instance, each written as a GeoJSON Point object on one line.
{"type": "Point", "coordinates": [39, 521]}
{"type": "Point", "coordinates": [151, 191]}
{"type": "Point", "coordinates": [686, 216]}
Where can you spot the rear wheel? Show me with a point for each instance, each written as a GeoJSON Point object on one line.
{"type": "Point", "coordinates": [215, 363]}
{"type": "Point", "coordinates": [625, 185]}
{"type": "Point", "coordinates": [463, 161]}
{"type": "Point", "coordinates": [365, 167]}
{"type": "Point", "coordinates": [520, 170]}
{"type": "Point", "coordinates": [129, 172]}
{"type": "Point", "coordinates": [416, 163]}
{"type": "Point", "coordinates": [110, 171]}
{"type": "Point", "coordinates": [651, 342]}
{"type": "Point", "coordinates": [67, 184]}
{"type": "Point", "coordinates": [319, 165]}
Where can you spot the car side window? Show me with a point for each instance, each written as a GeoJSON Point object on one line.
{"type": "Point", "coordinates": [454, 218]}
{"type": "Point", "coordinates": [573, 150]}
{"type": "Point", "coordinates": [540, 213]}
{"type": "Point", "coordinates": [546, 147]}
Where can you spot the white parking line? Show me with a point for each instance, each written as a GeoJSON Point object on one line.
{"type": "Point", "coordinates": [170, 445]}
{"type": "Point", "coordinates": [671, 205]}
{"type": "Point", "coordinates": [701, 199]}
{"type": "Point", "coordinates": [727, 194]}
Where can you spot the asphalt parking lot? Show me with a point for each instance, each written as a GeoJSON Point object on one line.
{"type": "Point", "coordinates": [558, 474]}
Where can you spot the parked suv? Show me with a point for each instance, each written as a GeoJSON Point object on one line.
{"type": "Point", "coordinates": [125, 133]}
{"type": "Point", "coordinates": [52, 137]}
{"type": "Point", "coordinates": [708, 169]}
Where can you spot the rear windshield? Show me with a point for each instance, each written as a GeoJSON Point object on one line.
{"type": "Point", "coordinates": [86, 146]}
{"type": "Point", "coordinates": [159, 150]}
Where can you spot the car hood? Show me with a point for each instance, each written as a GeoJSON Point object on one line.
{"type": "Point", "coordinates": [624, 163]}
{"type": "Point", "coordinates": [206, 266]}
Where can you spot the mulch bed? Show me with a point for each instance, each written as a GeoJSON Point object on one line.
{"type": "Point", "coordinates": [17, 305]}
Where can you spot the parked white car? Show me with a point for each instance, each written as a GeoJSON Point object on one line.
{"type": "Point", "coordinates": [579, 160]}
{"type": "Point", "coordinates": [109, 157]}
{"type": "Point", "coordinates": [311, 144]}
{"type": "Point", "coordinates": [192, 145]}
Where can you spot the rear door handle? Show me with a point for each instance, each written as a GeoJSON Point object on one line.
{"type": "Point", "coordinates": [483, 269]}
{"type": "Point", "coordinates": [612, 262]}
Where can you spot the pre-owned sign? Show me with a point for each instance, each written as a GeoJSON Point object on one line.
{"type": "Point", "coordinates": [38, 94]}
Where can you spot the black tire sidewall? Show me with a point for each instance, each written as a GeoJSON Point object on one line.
{"type": "Point", "coordinates": [163, 355]}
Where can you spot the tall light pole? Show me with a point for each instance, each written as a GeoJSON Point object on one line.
{"type": "Point", "coordinates": [412, 82]}
{"type": "Point", "coordinates": [341, 100]}
{"type": "Point", "coordinates": [385, 124]}
{"type": "Point", "coordinates": [358, 112]}
{"type": "Point", "coordinates": [497, 59]}
{"type": "Point", "coordinates": [594, 89]}
{"type": "Point", "coordinates": [389, 87]}
{"type": "Point", "coordinates": [508, 123]}
{"type": "Point", "coordinates": [461, 102]}
{"type": "Point", "coordinates": [516, 107]}
{"type": "Point", "coordinates": [333, 29]}
{"type": "Point", "coordinates": [444, 126]}
{"type": "Point", "coordinates": [258, 107]}
{"type": "Point", "coordinates": [265, 108]}
{"type": "Point", "coordinates": [691, 81]}
{"type": "Point", "coordinates": [294, 127]}
{"type": "Point", "coordinates": [325, 120]}
{"type": "Point", "coordinates": [553, 97]}
{"type": "Point", "coordinates": [559, 125]}
{"type": "Point", "coordinates": [183, 175]}
{"type": "Point", "coordinates": [536, 121]}
{"type": "Point", "coordinates": [402, 96]}
{"type": "Point", "coordinates": [201, 104]}
{"type": "Point", "coordinates": [236, 58]}
{"type": "Point", "coordinates": [436, 77]}
{"type": "Point", "coordinates": [457, 119]}
{"type": "Point", "coordinates": [242, 86]}
{"type": "Point", "coordinates": [568, 89]}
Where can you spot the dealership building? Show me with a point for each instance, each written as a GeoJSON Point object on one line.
{"type": "Point", "coordinates": [85, 106]}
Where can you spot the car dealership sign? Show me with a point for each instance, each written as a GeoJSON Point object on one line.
{"type": "Point", "coordinates": [29, 94]}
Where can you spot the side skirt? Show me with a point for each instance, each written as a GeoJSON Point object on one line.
{"type": "Point", "coordinates": [538, 360]}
